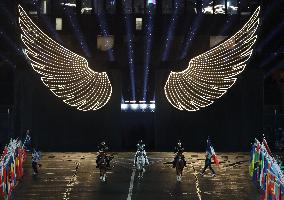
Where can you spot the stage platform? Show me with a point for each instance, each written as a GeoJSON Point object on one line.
{"type": "Point", "coordinates": [57, 179]}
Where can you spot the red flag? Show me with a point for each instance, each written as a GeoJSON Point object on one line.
{"type": "Point", "coordinates": [211, 150]}
{"type": "Point", "coordinates": [216, 161]}
{"type": "Point", "coordinates": [266, 146]}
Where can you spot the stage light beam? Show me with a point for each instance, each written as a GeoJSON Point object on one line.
{"type": "Point", "coordinates": [171, 31]}
{"type": "Point", "coordinates": [148, 40]}
{"type": "Point", "coordinates": [130, 53]}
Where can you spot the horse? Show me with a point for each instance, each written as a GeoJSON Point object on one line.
{"type": "Point", "coordinates": [140, 162]}
{"type": "Point", "coordinates": [179, 165]}
{"type": "Point", "coordinates": [103, 165]}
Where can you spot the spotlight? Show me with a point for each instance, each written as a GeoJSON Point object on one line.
{"type": "Point", "coordinates": [151, 2]}
{"type": "Point", "coordinates": [152, 106]}
{"type": "Point", "coordinates": [134, 106]}
{"type": "Point", "coordinates": [143, 106]}
{"type": "Point", "coordinates": [124, 106]}
{"type": "Point", "coordinates": [137, 106]}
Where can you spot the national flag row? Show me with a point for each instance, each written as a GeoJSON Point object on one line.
{"type": "Point", "coordinates": [11, 167]}
{"type": "Point", "coordinates": [266, 171]}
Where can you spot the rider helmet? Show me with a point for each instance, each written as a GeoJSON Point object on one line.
{"type": "Point", "coordinates": [179, 143]}
{"type": "Point", "coordinates": [103, 143]}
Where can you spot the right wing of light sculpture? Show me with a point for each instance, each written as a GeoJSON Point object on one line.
{"type": "Point", "coordinates": [65, 73]}
{"type": "Point", "coordinates": [212, 73]}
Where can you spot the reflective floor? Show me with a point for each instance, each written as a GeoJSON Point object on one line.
{"type": "Point", "coordinates": [59, 179]}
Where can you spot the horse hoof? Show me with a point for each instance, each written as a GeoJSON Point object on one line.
{"type": "Point", "coordinates": [179, 178]}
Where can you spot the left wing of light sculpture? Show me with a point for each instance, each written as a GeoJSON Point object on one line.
{"type": "Point", "coordinates": [212, 73]}
{"type": "Point", "coordinates": [65, 73]}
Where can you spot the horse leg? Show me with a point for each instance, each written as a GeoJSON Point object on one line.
{"type": "Point", "coordinates": [101, 174]}
{"type": "Point", "coordinates": [142, 172]}
{"type": "Point", "coordinates": [104, 175]}
{"type": "Point", "coordinates": [104, 178]}
{"type": "Point", "coordinates": [177, 172]}
{"type": "Point", "coordinates": [178, 178]}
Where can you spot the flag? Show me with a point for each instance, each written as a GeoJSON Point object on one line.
{"type": "Point", "coordinates": [261, 177]}
{"type": "Point", "coordinates": [11, 167]}
{"type": "Point", "coordinates": [210, 149]}
{"type": "Point", "coordinates": [271, 185]}
{"type": "Point", "coordinates": [282, 192]}
{"type": "Point", "coordinates": [277, 191]}
{"type": "Point", "coordinates": [2, 189]}
{"type": "Point", "coordinates": [266, 146]}
{"type": "Point", "coordinates": [252, 157]}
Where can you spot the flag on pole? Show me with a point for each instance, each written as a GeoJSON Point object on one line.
{"type": "Point", "coordinates": [211, 150]}
{"type": "Point", "coordinates": [252, 160]}
{"type": "Point", "coordinates": [266, 146]}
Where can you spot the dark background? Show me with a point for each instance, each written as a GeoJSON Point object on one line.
{"type": "Point", "coordinates": [232, 121]}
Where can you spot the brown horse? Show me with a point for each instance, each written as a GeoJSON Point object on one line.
{"type": "Point", "coordinates": [103, 165]}
{"type": "Point", "coordinates": [179, 166]}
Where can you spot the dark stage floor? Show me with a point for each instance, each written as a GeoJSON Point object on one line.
{"type": "Point", "coordinates": [56, 180]}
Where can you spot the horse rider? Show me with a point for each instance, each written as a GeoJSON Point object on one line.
{"type": "Point", "coordinates": [102, 149]}
{"type": "Point", "coordinates": [208, 157]}
{"type": "Point", "coordinates": [35, 160]}
{"type": "Point", "coordinates": [179, 152]}
{"type": "Point", "coordinates": [141, 148]}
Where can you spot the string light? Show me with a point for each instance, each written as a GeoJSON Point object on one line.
{"type": "Point", "coordinates": [65, 73]}
{"type": "Point", "coordinates": [212, 73]}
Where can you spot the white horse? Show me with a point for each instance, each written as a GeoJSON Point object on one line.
{"type": "Point", "coordinates": [140, 162]}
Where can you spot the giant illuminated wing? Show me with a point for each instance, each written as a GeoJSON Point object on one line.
{"type": "Point", "coordinates": [65, 73]}
{"type": "Point", "coordinates": [212, 73]}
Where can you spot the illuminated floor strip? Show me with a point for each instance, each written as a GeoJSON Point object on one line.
{"type": "Point", "coordinates": [198, 191]}
{"type": "Point", "coordinates": [131, 184]}
{"type": "Point", "coordinates": [72, 182]}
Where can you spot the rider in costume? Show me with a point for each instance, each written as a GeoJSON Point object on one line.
{"type": "Point", "coordinates": [35, 159]}
{"type": "Point", "coordinates": [102, 148]}
{"type": "Point", "coordinates": [179, 152]}
{"type": "Point", "coordinates": [141, 148]}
